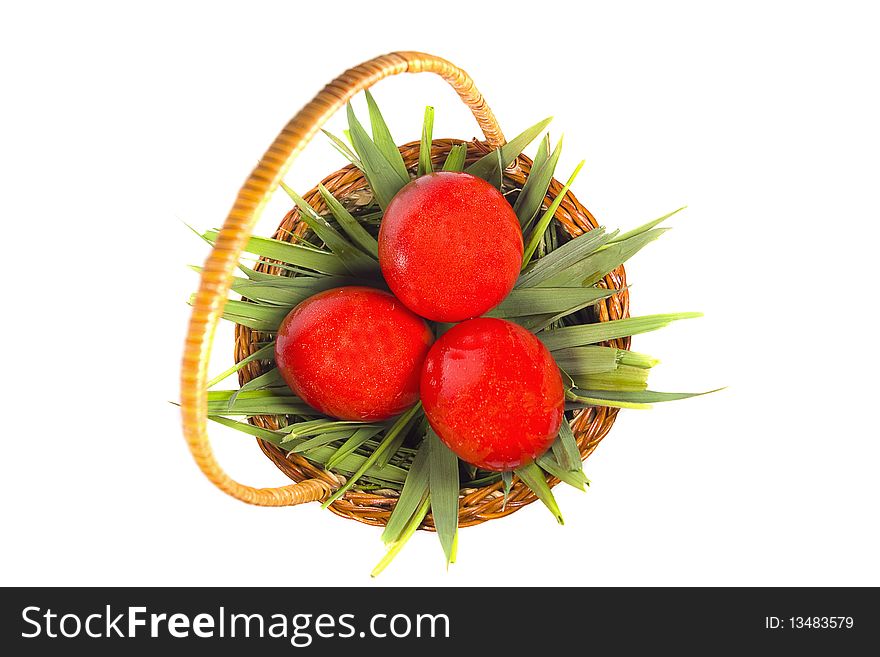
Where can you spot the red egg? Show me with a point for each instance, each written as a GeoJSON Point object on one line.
{"type": "Point", "coordinates": [493, 393]}
{"type": "Point", "coordinates": [354, 353]}
{"type": "Point", "coordinates": [450, 246]}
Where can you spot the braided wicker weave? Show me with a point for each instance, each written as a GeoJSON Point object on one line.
{"type": "Point", "coordinates": [312, 482]}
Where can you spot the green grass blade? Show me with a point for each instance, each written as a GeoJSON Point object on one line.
{"type": "Point", "coordinates": [258, 432]}
{"type": "Point", "coordinates": [592, 359]}
{"type": "Point", "coordinates": [398, 441]}
{"type": "Point", "coordinates": [570, 253]}
{"type": "Point", "coordinates": [574, 401]}
{"type": "Point", "coordinates": [352, 227]}
{"type": "Point", "coordinates": [540, 301]}
{"type": "Point", "coordinates": [594, 267]}
{"type": "Point", "coordinates": [224, 395]}
{"type": "Point", "coordinates": [648, 226]}
{"type": "Point", "coordinates": [425, 165]}
{"type": "Point", "coordinates": [324, 425]}
{"type": "Point", "coordinates": [288, 291]}
{"type": "Point", "coordinates": [532, 476]}
{"type": "Point", "coordinates": [444, 491]}
{"type": "Point", "coordinates": [547, 217]}
{"type": "Point", "coordinates": [415, 490]}
{"type": "Point", "coordinates": [357, 439]}
{"type": "Point", "coordinates": [276, 404]}
{"type": "Point", "coordinates": [530, 199]}
{"type": "Point", "coordinates": [576, 336]}
{"type": "Point", "coordinates": [270, 379]}
{"type": "Point", "coordinates": [456, 158]}
{"type": "Point", "coordinates": [540, 322]}
{"type": "Point", "coordinates": [353, 259]}
{"type": "Point", "coordinates": [383, 139]}
{"type": "Point", "coordinates": [488, 166]}
{"type": "Point", "coordinates": [641, 396]}
{"type": "Point", "coordinates": [397, 546]}
{"type": "Point", "coordinates": [343, 148]}
{"type": "Point", "coordinates": [266, 352]}
{"type": "Point", "coordinates": [496, 178]}
{"type": "Point", "coordinates": [320, 440]}
{"type": "Point", "coordinates": [385, 181]}
{"type": "Point", "coordinates": [350, 464]}
{"type": "Point", "coordinates": [256, 316]}
{"type": "Point", "coordinates": [507, 483]}
{"type": "Point", "coordinates": [399, 425]}
{"type": "Point", "coordinates": [260, 276]}
{"type": "Point", "coordinates": [634, 359]}
{"type": "Point", "coordinates": [565, 448]}
{"type": "Point", "coordinates": [574, 478]}
{"type": "Point", "coordinates": [542, 153]}
{"type": "Point", "coordinates": [624, 378]}
{"type": "Point", "coordinates": [293, 254]}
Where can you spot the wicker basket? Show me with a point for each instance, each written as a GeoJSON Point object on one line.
{"type": "Point", "coordinates": [313, 483]}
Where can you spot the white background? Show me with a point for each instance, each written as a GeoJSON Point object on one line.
{"type": "Point", "coordinates": [119, 122]}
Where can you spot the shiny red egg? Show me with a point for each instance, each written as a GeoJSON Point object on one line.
{"type": "Point", "coordinates": [353, 353]}
{"type": "Point", "coordinates": [450, 246]}
{"type": "Point", "coordinates": [493, 393]}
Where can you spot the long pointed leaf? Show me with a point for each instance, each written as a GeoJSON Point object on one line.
{"type": "Point", "coordinates": [586, 360]}
{"type": "Point", "coordinates": [320, 440]}
{"type": "Point", "coordinates": [255, 316]}
{"type": "Point", "coordinates": [487, 166]}
{"type": "Point", "coordinates": [574, 478]}
{"type": "Point", "coordinates": [352, 227]}
{"type": "Point", "coordinates": [648, 226]}
{"type": "Point", "coordinates": [357, 439]}
{"type": "Point", "coordinates": [353, 259]}
{"type": "Point", "coordinates": [574, 401]}
{"type": "Point", "coordinates": [293, 254]}
{"type": "Point", "coordinates": [541, 226]}
{"type": "Point", "coordinates": [573, 251]}
{"type": "Point", "coordinates": [399, 439]}
{"type": "Point", "coordinates": [385, 181]}
{"type": "Point", "coordinates": [529, 201]}
{"type": "Point", "coordinates": [635, 359]}
{"type": "Point", "coordinates": [532, 477]}
{"type": "Point", "coordinates": [288, 291]}
{"type": "Point", "coordinates": [507, 483]}
{"type": "Point", "coordinates": [415, 490]}
{"type": "Point", "coordinates": [576, 336]}
{"type": "Point", "coordinates": [383, 139]}
{"type": "Point", "coordinates": [540, 322]}
{"type": "Point", "coordinates": [565, 448]}
{"type": "Point", "coordinates": [496, 178]}
{"type": "Point", "coordinates": [444, 491]}
{"type": "Point", "coordinates": [456, 158]}
{"type": "Point", "coordinates": [425, 165]}
{"type": "Point", "coordinates": [270, 379]}
{"type": "Point", "coordinates": [343, 148]}
{"type": "Point", "coordinates": [350, 464]}
{"type": "Point", "coordinates": [266, 352]}
{"type": "Point", "coordinates": [540, 301]}
{"type": "Point", "coordinates": [397, 546]}
{"type": "Point", "coordinates": [400, 424]}
{"type": "Point", "coordinates": [624, 378]}
{"type": "Point", "coordinates": [594, 267]}
{"type": "Point", "coordinates": [246, 403]}
{"type": "Point", "coordinates": [642, 396]}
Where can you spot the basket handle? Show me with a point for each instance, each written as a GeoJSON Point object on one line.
{"type": "Point", "coordinates": [216, 276]}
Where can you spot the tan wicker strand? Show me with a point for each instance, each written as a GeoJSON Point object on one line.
{"type": "Point", "coordinates": [590, 426]}
{"type": "Point", "coordinates": [216, 275]}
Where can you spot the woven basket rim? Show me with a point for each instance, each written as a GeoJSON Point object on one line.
{"type": "Point", "coordinates": [477, 505]}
